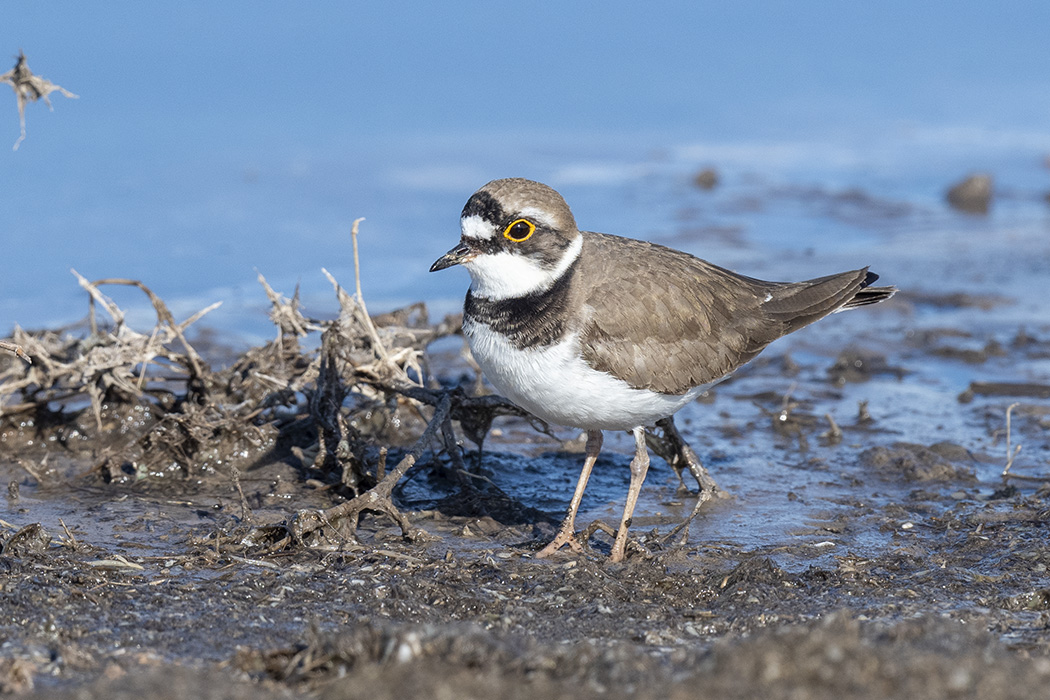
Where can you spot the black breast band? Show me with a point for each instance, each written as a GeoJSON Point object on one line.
{"type": "Point", "coordinates": [534, 320]}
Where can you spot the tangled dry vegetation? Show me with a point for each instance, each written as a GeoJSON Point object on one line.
{"type": "Point", "coordinates": [148, 404]}
{"type": "Point", "coordinates": [29, 88]}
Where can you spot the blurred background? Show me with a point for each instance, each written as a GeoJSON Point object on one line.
{"type": "Point", "coordinates": [214, 141]}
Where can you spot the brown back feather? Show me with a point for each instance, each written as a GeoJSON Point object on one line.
{"type": "Point", "coordinates": [671, 321]}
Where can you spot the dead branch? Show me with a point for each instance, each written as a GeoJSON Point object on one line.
{"type": "Point", "coordinates": [164, 317]}
{"type": "Point", "coordinates": [474, 413]}
{"type": "Point", "coordinates": [378, 499]}
{"type": "Point", "coordinates": [285, 314]}
{"type": "Point", "coordinates": [367, 374]}
{"type": "Point", "coordinates": [336, 437]}
{"type": "Point", "coordinates": [1011, 452]}
{"type": "Point", "coordinates": [29, 88]}
{"type": "Point", "coordinates": [378, 344]}
{"type": "Point", "coordinates": [16, 349]}
{"type": "Point", "coordinates": [111, 363]}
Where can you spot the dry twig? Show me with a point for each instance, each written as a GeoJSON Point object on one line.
{"type": "Point", "coordinates": [16, 349]}
{"type": "Point", "coordinates": [29, 88]}
{"type": "Point", "coordinates": [365, 372]}
{"type": "Point", "coordinates": [105, 363]}
{"type": "Point", "coordinates": [1010, 453]}
{"type": "Point", "coordinates": [379, 498]}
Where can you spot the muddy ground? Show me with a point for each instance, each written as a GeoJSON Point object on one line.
{"type": "Point", "coordinates": [848, 562]}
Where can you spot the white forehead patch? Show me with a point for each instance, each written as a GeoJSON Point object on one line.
{"type": "Point", "coordinates": [537, 215]}
{"type": "Point", "coordinates": [477, 228]}
{"type": "Point", "coordinates": [507, 275]}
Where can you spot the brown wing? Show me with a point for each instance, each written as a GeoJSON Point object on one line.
{"type": "Point", "coordinates": [671, 321]}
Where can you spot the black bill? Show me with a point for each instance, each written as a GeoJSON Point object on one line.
{"type": "Point", "coordinates": [459, 254]}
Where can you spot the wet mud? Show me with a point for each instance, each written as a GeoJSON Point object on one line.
{"type": "Point", "coordinates": [883, 535]}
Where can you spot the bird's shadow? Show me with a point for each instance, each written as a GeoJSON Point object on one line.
{"type": "Point", "coordinates": [515, 489]}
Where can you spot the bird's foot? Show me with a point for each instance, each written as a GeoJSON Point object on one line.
{"type": "Point", "coordinates": [682, 490]}
{"type": "Point", "coordinates": [673, 448]}
{"type": "Point", "coordinates": [707, 487]}
{"type": "Point", "coordinates": [705, 495]}
{"type": "Point", "coordinates": [564, 537]}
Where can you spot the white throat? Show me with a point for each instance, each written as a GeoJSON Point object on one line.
{"type": "Point", "coordinates": [505, 275]}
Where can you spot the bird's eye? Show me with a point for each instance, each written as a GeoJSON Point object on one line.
{"type": "Point", "coordinates": [519, 231]}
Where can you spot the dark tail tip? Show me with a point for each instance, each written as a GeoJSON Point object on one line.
{"type": "Point", "coordinates": [870, 295]}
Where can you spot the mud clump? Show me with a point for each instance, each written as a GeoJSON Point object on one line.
{"type": "Point", "coordinates": [972, 195]}
{"type": "Point", "coordinates": [839, 657]}
{"type": "Point", "coordinates": [860, 365]}
{"type": "Point", "coordinates": [912, 462]}
{"type": "Point", "coordinates": [827, 659]}
{"type": "Point", "coordinates": [706, 179]}
{"type": "Point", "coordinates": [31, 539]}
{"type": "Point", "coordinates": [1021, 389]}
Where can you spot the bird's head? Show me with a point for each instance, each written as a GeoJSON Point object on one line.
{"type": "Point", "coordinates": [518, 237]}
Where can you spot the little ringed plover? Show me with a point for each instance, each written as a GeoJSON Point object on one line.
{"type": "Point", "coordinates": [599, 332]}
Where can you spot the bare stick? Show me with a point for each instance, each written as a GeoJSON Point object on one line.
{"type": "Point", "coordinates": [246, 511]}
{"type": "Point", "coordinates": [366, 320]}
{"type": "Point", "coordinates": [1010, 454]}
{"type": "Point", "coordinates": [381, 466]}
{"type": "Point", "coordinates": [357, 261]}
{"type": "Point", "coordinates": [380, 348]}
{"type": "Point", "coordinates": [71, 540]}
{"type": "Point", "coordinates": [16, 349]}
{"type": "Point", "coordinates": [164, 316]}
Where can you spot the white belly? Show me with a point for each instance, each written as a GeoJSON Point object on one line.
{"type": "Point", "coordinates": [555, 384]}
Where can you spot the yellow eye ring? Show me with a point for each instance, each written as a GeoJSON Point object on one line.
{"type": "Point", "coordinates": [519, 230]}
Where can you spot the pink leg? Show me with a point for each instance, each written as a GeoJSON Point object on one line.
{"type": "Point", "coordinates": [639, 466]}
{"type": "Point", "coordinates": [566, 535]}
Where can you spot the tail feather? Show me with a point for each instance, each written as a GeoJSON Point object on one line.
{"type": "Point", "coordinates": [801, 303]}
{"type": "Point", "coordinates": [869, 295]}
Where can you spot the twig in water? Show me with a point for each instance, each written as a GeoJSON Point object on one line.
{"type": "Point", "coordinates": [1010, 453]}
{"type": "Point", "coordinates": [246, 511]}
{"type": "Point", "coordinates": [357, 261]}
{"type": "Point", "coordinates": [164, 316]}
{"type": "Point", "coordinates": [71, 540]}
{"type": "Point", "coordinates": [833, 435]}
{"type": "Point", "coordinates": [381, 466]}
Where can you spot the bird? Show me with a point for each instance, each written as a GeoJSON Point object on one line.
{"type": "Point", "coordinates": [599, 332]}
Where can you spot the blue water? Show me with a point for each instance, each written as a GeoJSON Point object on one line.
{"type": "Point", "coordinates": [212, 142]}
